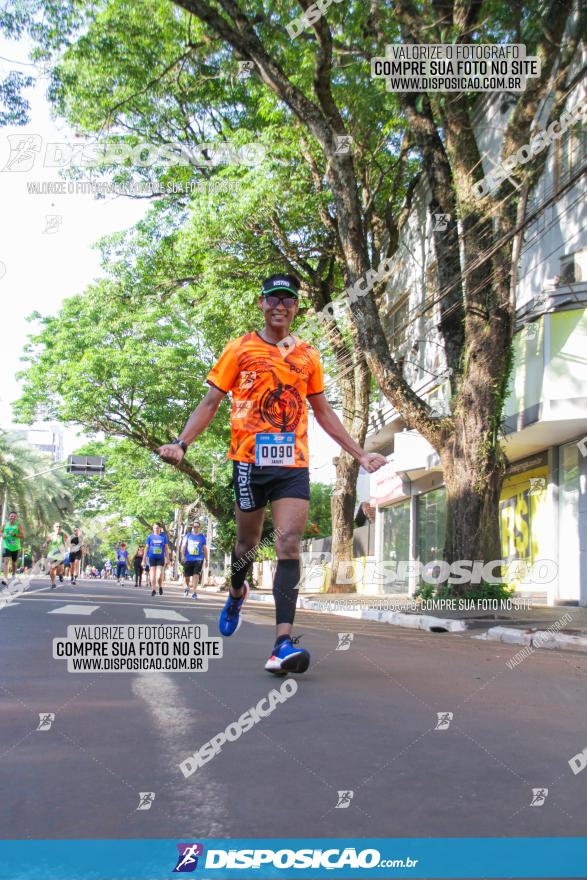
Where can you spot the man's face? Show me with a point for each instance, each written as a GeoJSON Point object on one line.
{"type": "Point", "coordinates": [12, 518]}
{"type": "Point", "coordinates": [279, 310]}
{"type": "Point", "coordinates": [157, 529]}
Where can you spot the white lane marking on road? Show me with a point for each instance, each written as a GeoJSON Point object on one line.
{"type": "Point", "coordinates": [163, 614]}
{"type": "Point", "coordinates": [84, 610]}
{"type": "Point", "coordinates": [177, 732]}
{"type": "Point", "coordinates": [249, 617]}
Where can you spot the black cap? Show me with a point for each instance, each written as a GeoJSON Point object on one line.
{"type": "Point", "coordinates": [281, 284]}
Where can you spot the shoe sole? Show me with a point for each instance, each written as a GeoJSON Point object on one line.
{"type": "Point", "coordinates": [296, 663]}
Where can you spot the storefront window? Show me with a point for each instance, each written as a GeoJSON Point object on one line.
{"type": "Point", "coordinates": [431, 521]}
{"type": "Point", "coordinates": [396, 541]}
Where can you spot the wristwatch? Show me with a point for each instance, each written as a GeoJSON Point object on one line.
{"type": "Point", "coordinates": [180, 443]}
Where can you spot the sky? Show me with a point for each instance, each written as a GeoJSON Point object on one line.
{"type": "Point", "coordinates": [46, 252]}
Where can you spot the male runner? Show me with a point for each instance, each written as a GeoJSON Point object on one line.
{"type": "Point", "coordinates": [107, 569]}
{"type": "Point", "coordinates": [121, 562]}
{"type": "Point", "coordinates": [193, 552]}
{"type": "Point", "coordinates": [270, 384]}
{"type": "Point", "coordinates": [157, 555]}
{"type": "Point", "coordinates": [75, 554]}
{"type": "Point", "coordinates": [55, 544]}
{"type": "Point", "coordinates": [13, 538]}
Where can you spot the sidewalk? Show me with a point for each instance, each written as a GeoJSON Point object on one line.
{"type": "Point", "coordinates": [561, 626]}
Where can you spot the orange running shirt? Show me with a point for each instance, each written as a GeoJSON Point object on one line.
{"type": "Point", "coordinates": [269, 387]}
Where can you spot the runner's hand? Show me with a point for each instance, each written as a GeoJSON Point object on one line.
{"type": "Point", "coordinates": [171, 452]}
{"type": "Point", "coordinates": [372, 461]}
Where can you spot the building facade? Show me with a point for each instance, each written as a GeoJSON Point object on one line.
{"type": "Point", "coordinates": [543, 506]}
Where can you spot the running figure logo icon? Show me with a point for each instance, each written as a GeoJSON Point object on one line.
{"type": "Point", "coordinates": [444, 719]}
{"type": "Point", "coordinates": [344, 799]}
{"type": "Point", "coordinates": [146, 799]}
{"type": "Point", "coordinates": [282, 407]}
{"type": "Point", "coordinates": [344, 641]}
{"type": "Point", "coordinates": [46, 719]}
{"type": "Point", "coordinates": [23, 151]}
{"type": "Point", "coordinates": [539, 795]}
{"type": "Point", "coordinates": [187, 861]}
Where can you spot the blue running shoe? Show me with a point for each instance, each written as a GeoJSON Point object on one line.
{"type": "Point", "coordinates": [230, 615]}
{"type": "Point", "coordinates": [288, 658]}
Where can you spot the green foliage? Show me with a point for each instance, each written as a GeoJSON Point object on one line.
{"type": "Point", "coordinates": [485, 590]}
{"type": "Point", "coordinates": [39, 501]}
{"type": "Point", "coordinates": [319, 523]}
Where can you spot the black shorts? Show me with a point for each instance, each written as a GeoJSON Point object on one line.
{"type": "Point", "coordinates": [195, 567]}
{"type": "Point", "coordinates": [11, 554]}
{"type": "Point", "coordinates": [74, 556]}
{"type": "Point", "coordinates": [255, 486]}
{"type": "Point", "coordinates": [156, 562]}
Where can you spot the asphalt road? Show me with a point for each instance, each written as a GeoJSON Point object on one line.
{"type": "Point", "coordinates": [363, 720]}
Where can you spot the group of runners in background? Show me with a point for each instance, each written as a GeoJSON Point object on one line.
{"type": "Point", "coordinates": [64, 554]}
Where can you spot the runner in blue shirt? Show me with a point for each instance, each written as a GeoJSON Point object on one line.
{"type": "Point", "coordinates": [193, 553]}
{"type": "Point", "coordinates": [121, 562]}
{"type": "Point", "coordinates": [157, 553]}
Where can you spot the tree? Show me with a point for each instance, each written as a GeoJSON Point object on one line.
{"type": "Point", "coordinates": [39, 501]}
{"type": "Point", "coordinates": [130, 369]}
{"type": "Point", "coordinates": [14, 108]}
{"type": "Point", "coordinates": [170, 86]}
{"type": "Point", "coordinates": [312, 91]}
{"type": "Point", "coordinates": [319, 523]}
{"type": "Point", "coordinates": [475, 299]}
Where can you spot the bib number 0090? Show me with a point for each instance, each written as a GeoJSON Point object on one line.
{"type": "Point", "coordinates": [275, 450]}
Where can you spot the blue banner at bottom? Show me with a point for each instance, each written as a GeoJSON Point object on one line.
{"type": "Point", "coordinates": [302, 858]}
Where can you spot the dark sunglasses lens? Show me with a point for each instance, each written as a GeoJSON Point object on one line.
{"type": "Point", "coordinates": [287, 301]}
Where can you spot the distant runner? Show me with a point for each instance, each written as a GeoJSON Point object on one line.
{"type": "Point", "coordinates": [270, 384]}
{"type": "Point", "coordinates": [157, 557]}
{"type": "Point", "coordinates": [121, 562]}
{"type": "Point", "coordinates": [55, 544]}
{"type": "Point", "coordinates": [75, 554]}
{"type": "Point", "coordinates": [193, 554]}
{"type": "Point", "coordinates": [13, 536]}
{"type": "Point", "coordinates": [137, 562]}
{"type": "Point", "coordinates": [107, 570]}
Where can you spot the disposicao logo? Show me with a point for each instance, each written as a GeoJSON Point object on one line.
{"type": "Point", "coordinates": [187, 860]}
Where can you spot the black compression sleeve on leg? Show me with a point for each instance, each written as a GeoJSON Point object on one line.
{"type": "Point", "coordinates": [287, 577]}
{"type": "Point", "coordinates": [239, 570]}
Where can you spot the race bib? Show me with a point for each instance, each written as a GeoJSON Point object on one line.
{"type": "Point", "coordinates": [275, 450]}
{"type": "Point", "coordinates": [193, 548]}
{"type": "Point", "coordinates": [156, 549]}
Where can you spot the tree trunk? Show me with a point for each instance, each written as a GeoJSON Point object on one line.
{"type": "Point", "coordinates": [355, 410]}
{"type": "Point", "coordinates": [343, 507]}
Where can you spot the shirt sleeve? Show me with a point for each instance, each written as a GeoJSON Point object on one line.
{"type": "Point", "coordinates": [224, 373]}
{"type": "Point", "coordinates": [316, 378]}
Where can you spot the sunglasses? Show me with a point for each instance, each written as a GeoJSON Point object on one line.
{"type": "Point", "coordinates": [287, 301]}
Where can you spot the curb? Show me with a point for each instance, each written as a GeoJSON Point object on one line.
{"type": "Point", "coordinates": [396, 618]}
{"type": "Point", "coordinates": [536, 638]}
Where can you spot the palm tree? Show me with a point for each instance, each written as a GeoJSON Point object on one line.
{"type": "Point", "coordinates": [39, 501]}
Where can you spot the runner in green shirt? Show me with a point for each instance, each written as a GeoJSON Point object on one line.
{"type": "Point", "coordinates": [55, 545]}
{"type": "Point", "coordinates": [13, 536]}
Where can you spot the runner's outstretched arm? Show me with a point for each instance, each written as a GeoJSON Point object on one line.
{"type": "Point", "coordinates": [330, 422]}
{"type": "Point", "coordinates": [195, 425]}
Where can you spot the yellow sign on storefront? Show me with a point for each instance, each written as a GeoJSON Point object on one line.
{"type": "Point", "coordinates": [523, 521]}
